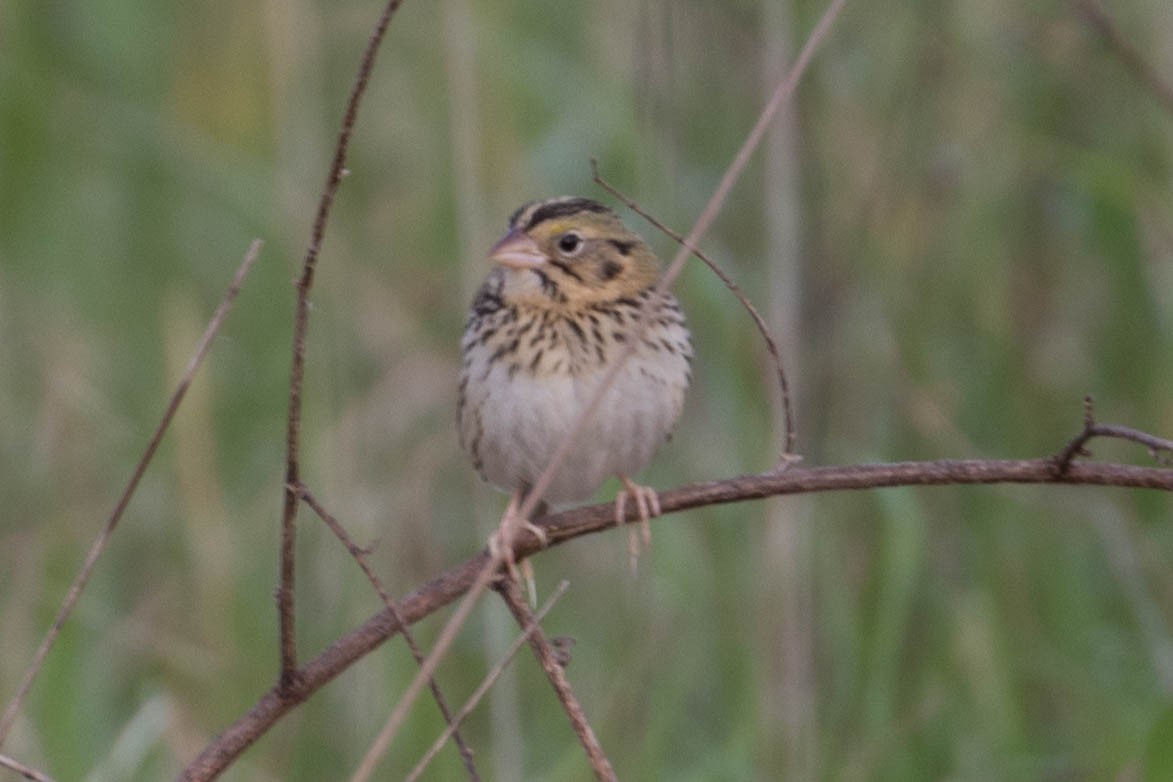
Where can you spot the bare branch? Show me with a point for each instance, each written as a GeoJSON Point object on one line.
{"type": "Point", "coordinates": [297, 369]}
{"type": "Point", "coordinates": [470, 575]}
{"type": "Point", "coordinates": [99, 544]}
{"type": "Point", "coordinates": [25, 771]}
{"type": "Point", "coordinates": [487, 684]}
{"type": "Point", "coordinates": [1160, 448]}
{"type": "Point", "coordinates": [790, 434]}
{"type": "Point", "coordinates": [360, 556]}
{"type": "Point", "coordinates": [510, 591]}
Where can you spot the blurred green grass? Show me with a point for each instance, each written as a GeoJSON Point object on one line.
{"type": "Point", "coordinates": [985, 235]}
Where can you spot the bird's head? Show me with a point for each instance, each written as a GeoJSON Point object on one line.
{"type": "Point", "coordinates": [571, 251]}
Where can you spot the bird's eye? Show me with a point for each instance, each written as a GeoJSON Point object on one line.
{"type": "Point", "coordinates": [570, 243]}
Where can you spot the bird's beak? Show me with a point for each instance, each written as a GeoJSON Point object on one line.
{"type": "Point", "coordinates": [517, 251]}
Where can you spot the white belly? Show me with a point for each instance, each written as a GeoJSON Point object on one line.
{"type": "Point", "coordinates": [524, 420]}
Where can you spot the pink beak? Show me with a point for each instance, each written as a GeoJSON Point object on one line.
{"type": "Point", "coordinates": [517, 251]}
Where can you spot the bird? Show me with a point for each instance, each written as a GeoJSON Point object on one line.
{"type": "Point", "coordinates": [570, 290]}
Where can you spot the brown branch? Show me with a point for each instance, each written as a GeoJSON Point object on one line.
{"type": "Point", "coordinates": [27, 772]}
{"type": "Point", "coordinates": [1132, 59]}
{"type": "Point", "coordinates": [790, 434]}
{"type": "Point", "coordinates": [360, 556]}
{"type": "Point", "coordinates": [1160, 448]}
{"type": "Point", "coordinates": [567, 525]}
{"type": "Point", "coordinates": [99, 544]}
{"type": "Point", "coordinates": [511, 593]}
{"type": "Point", "coordinates": [489, 680]}
{"type": "Point", "coordinates": [304, 283]}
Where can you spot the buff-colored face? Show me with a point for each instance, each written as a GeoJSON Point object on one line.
{"type": "Point", "coordinates": [568, 251]}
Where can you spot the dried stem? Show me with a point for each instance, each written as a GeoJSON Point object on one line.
{"type": "Point", "coordinates": [297, 370]}
{"type": "Point", "coordinates": [360, 556]}
{"type": "Point", "coordinates": [1129, 55]}
{"type": "Point", "coordinates": [485, 569]}
{"type": "Point", "coordinates": [487, 684]}
{"type": "Point", "coordinates": [511, 592]}
{"type": "Point", "coordinates": [25, 771]}
{"type": "Point", "coordinates": [790, 434]}
{"type": "Point", "coordinates": [99, 544]}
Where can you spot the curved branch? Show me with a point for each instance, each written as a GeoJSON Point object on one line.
{"type": "Point", "coordinates": [789, 432]}
{"type": "Point", "coordinates": [567, 525]}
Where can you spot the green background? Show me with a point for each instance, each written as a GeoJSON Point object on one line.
{"type": "Point", "coordinates": [963, 226]}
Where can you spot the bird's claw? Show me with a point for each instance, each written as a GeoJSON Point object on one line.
{"type": "Point", "coordinates": [502, 540]}
{"type": "Point", "coordinates": [647, 505]}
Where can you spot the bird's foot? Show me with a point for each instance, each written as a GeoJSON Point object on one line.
{"type": "Point", "coordinates": [502, 540]}
{"type": "Point", "coordinates": [647, 504]}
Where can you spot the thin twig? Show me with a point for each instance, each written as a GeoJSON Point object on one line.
{"type": "Point", "coordinates": [285, 607]}
{"type": "Point", "coordinates": [1128, 54]}
{"type": "Point", "coordinates": [487, 684]}
{"type": "Point", "coordinates": [1160, 448]}
{"type": "Point", "coordinates": [360, 556]}
{"type": "Point", "coordinates": [99, 544]}
{"type": "Point", "coordinates": [511, 592]}
{"type": "Point", "coordinates": [782, 92]}
{"type": "Point", "coordinates": [25, 771]}
{"type": "Point", "coordinates": [790, 434]}
{"type": "Point", "coordinates": [483, 579]}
